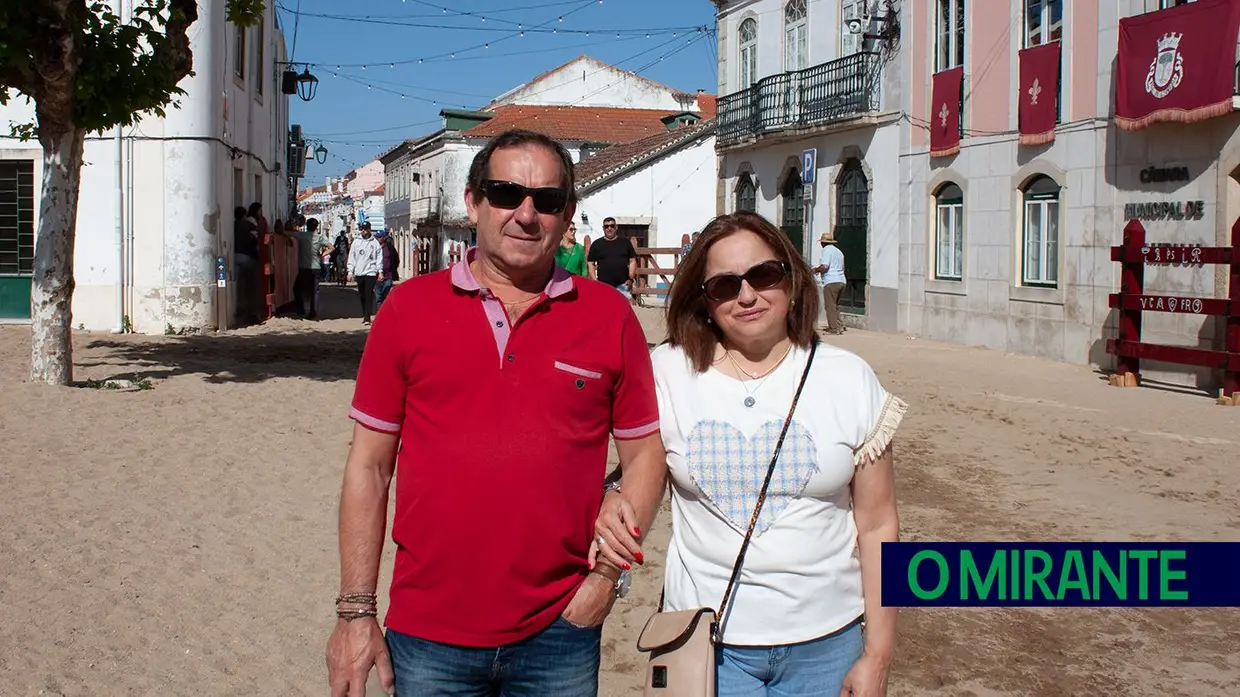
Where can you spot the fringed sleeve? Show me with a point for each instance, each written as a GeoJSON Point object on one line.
{"type": "Point", "coordinates": [881, 433]}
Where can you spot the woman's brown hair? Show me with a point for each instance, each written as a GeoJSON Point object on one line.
{"type": "Point", "coordinates": [687, 310]}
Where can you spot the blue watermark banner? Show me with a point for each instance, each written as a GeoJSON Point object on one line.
{"type": "Point", "coordinates": [1061, 574]}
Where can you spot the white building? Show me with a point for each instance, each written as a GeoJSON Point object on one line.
{"type": "Point", "coordinates": [658, 189]}
{"type": "Point", "coordinates": [797, 76]}
{"type": "Point", "coordinates": [584, 104]}
{"type": "Point", "coordinates": [156, 199]}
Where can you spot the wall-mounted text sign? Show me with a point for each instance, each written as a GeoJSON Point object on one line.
{"type": "Point", "coordinates": [1165, 210]}
{"type": "Point", "coordinates": [1151, 175]}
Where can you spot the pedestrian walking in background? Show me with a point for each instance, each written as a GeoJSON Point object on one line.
{"type": "Point", "coordinates": [389, 271]}
{"type": "Point", "coordinates": [365, 264]}
{"type": "Point", "coordinates": [830, 275]}
{"type": "Point", "coordinates": [614, 258]}
{"type": "Point", "coordinates": [481, 382]}
{"type": "Point", "coordinates": [310, 244]}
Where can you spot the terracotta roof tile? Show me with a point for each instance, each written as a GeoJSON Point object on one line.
{"type": "Point", "coordinates": [617, 158]}
{"type": "Point", "coordinates": [594, 124]}
{"type": "Point", "coordinates": [706, 103]}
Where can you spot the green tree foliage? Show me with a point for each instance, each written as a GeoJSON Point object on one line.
{"type": "Point", "coordinates": [86, 71]}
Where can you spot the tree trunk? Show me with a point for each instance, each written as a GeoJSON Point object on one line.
{"type": "Point", "coordinates": [51, 294]}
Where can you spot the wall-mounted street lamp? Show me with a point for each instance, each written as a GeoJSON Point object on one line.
{"type": "Point", "coordinates": [318, 154]}
{"type": "Point", "coordinates": [304, 84]}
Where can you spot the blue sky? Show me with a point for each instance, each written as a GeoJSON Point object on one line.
{"type": "Point", "coordinates": [420, 56]}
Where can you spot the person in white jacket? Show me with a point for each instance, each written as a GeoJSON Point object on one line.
{"type": "Point", "coordinates": [365, 263]}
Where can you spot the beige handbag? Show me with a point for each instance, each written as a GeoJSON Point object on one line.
{"type": "Point", "coordinates": [682, 644]}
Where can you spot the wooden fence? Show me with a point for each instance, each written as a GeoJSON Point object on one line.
{"type": "Point", "coordinates": [1131, 300]}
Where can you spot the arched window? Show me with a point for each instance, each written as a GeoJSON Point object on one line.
{"type": "Point", "coordinates": [749, 53]}
{"type": "Point", "coordinates": [949, 233]}
{"type": "Point", "coordinates": [1040, 232]}
{"type": "Point", "coordinates": [796, 36]}
{"type": "Point", "coordinates": [746, 194]}
{"type": "Point", "coordinates": [793, 192]}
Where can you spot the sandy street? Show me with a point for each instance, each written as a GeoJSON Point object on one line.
{"type": "Point", "coordinates": [181, 539]}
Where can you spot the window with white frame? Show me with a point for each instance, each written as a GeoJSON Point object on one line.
{"type": "Point", "coordinates": [949, 233]}
{"type": "Point", "coordinates": [1040, 232]}
{"type": "Point", "coordinates": [1156, 5]}
{"type": "Point", "coordinates": [749, 53]}
{"type": "Point", "coordinates": [851, 43]}
{"type": "Point", "coordinates": [950, 50]}
{"type": "Point", "coordinates": [796, 36]}
{"type": "Point", "coordinates": [260, 70]}
{"type": "Point", "coordinates": [1044, 24]}
{"type": "Point", "coordinates": [239, 52]}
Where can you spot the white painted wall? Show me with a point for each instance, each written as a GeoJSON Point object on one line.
{"type": "Point", "coordinates": [673, 195]}
{"type": "Point", "coordinates": [177, 181]}
{"type": "Point", "coordinates": [587, 82]}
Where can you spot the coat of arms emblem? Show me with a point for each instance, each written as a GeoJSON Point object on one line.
{"type": "Point", "coordinates": [1167, 70]}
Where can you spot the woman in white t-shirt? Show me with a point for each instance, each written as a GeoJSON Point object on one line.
{"type": "Point", "coordinates": [741, 320]}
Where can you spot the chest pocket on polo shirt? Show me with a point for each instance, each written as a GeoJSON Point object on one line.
{"type": "Point", "coordinates": [582, 393]}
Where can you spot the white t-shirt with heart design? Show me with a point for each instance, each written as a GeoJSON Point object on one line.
{"type": "Point", "coordinates": [801, 579]}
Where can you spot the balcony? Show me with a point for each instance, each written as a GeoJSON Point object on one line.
{"type": "Point", "coordinates": [423, 209]}
{"type": "Point", "coordinates": [826, 93]}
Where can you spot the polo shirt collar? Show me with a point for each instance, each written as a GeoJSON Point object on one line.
{"type": "Point", "coordinates": [462, 277]}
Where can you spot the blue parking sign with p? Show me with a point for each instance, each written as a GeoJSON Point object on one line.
{"type": "Point", "coordinates": [809, 163]}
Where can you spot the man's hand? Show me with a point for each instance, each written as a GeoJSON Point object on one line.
{"type": "Point", "coordinates": [380, 278]}
{"type": "Point", "coordinates": [353, 649]}
{"type": "Point", "coordinates": [593, 601]}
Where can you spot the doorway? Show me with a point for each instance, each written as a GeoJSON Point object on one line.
{"type": "Point", "coordinates": [852, 226]}
{"type": "Point", "coordinates": [793, 192]}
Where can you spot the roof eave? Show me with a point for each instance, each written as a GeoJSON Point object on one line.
{"type": "Point", "coordinates": [590, 186]}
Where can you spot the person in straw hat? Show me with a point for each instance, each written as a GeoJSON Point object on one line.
{"type": "Point", "coordinates": [830, 274]}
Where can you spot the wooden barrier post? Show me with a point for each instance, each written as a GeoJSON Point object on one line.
{"type": "Point", "coordinates": [1131, 282]}
{"type": "Point", "coordinates": [1231, 330]}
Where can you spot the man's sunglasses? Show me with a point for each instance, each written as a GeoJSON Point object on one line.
{"type": "Point", "coordinates": [727, 286]}
{"type": "Point", "coordinates": [510, 195]}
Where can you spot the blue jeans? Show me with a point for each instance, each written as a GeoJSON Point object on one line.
{"type": "Point", "coordinates": [382, 288]}
{"type": "Point", "coordinates": [624, 290]}
{"type": "Point", "coordinates": [814, 667]}
{"type": "Point", "coordinates": [560, 661]}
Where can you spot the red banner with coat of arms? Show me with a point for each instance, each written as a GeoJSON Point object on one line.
{"type": "Point", "coordinates": [1176, 64]}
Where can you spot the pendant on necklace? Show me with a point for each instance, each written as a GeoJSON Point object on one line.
{"type": "Point", "coordinates": [750, 401]}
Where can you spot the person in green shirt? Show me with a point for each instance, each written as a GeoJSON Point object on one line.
{"type": "Point", "coordinates": [570, 254]}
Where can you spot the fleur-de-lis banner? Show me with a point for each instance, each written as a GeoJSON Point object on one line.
{"type": "Point", "coordinates": [1176, 64]}
{"type": "Point", "coordinates": [946, 96]}
{"type": "Point", "coordinates": [1039, 93]}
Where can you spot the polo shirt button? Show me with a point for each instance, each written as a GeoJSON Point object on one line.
{"type": "Point", "coordinates": [510, 358]}
{"type": "Point", "coordinates": [499, 323]}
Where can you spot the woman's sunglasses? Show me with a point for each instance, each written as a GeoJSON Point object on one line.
{"type": "Point", "coordinates": [727, 286]}
{"type": "Point", "coordinates": [510, 195]}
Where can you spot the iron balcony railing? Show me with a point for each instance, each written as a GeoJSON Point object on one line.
{"type": "Point", "coordinates": [840, 89]}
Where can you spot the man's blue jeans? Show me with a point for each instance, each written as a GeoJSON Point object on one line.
{"type": "Point", "coordinates": [560, 661]}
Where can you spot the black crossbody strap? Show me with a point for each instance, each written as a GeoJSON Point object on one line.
{"type": "Point", "coordinates": [757, 509]}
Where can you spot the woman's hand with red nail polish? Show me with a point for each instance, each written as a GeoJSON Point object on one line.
{"type": "Point", "coordinates": [614, 541]}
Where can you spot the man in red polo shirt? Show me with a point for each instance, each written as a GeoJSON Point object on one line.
{"type": "Point", "coordinates": [499, 382]}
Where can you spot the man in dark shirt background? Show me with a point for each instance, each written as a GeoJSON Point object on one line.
{"type": "Point", "coordinates": [613, 259]}
{"type": "Point", "coordinates": [245, 263]}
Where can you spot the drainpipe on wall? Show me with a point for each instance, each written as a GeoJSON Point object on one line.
{"type": "Point", "coordinates": [120, 216]}
{"type": "Point", "coordinates": [120, 233]}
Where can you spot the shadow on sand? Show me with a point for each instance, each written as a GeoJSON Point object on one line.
{"type": "Point", "coordinates": [282, 348]}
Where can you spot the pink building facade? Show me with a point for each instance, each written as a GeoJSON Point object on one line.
{"type": "Point", "coordinates": [1007, 245]}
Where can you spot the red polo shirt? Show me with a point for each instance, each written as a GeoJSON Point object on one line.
{"type": "Point", "coordinates": [504, 435]}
